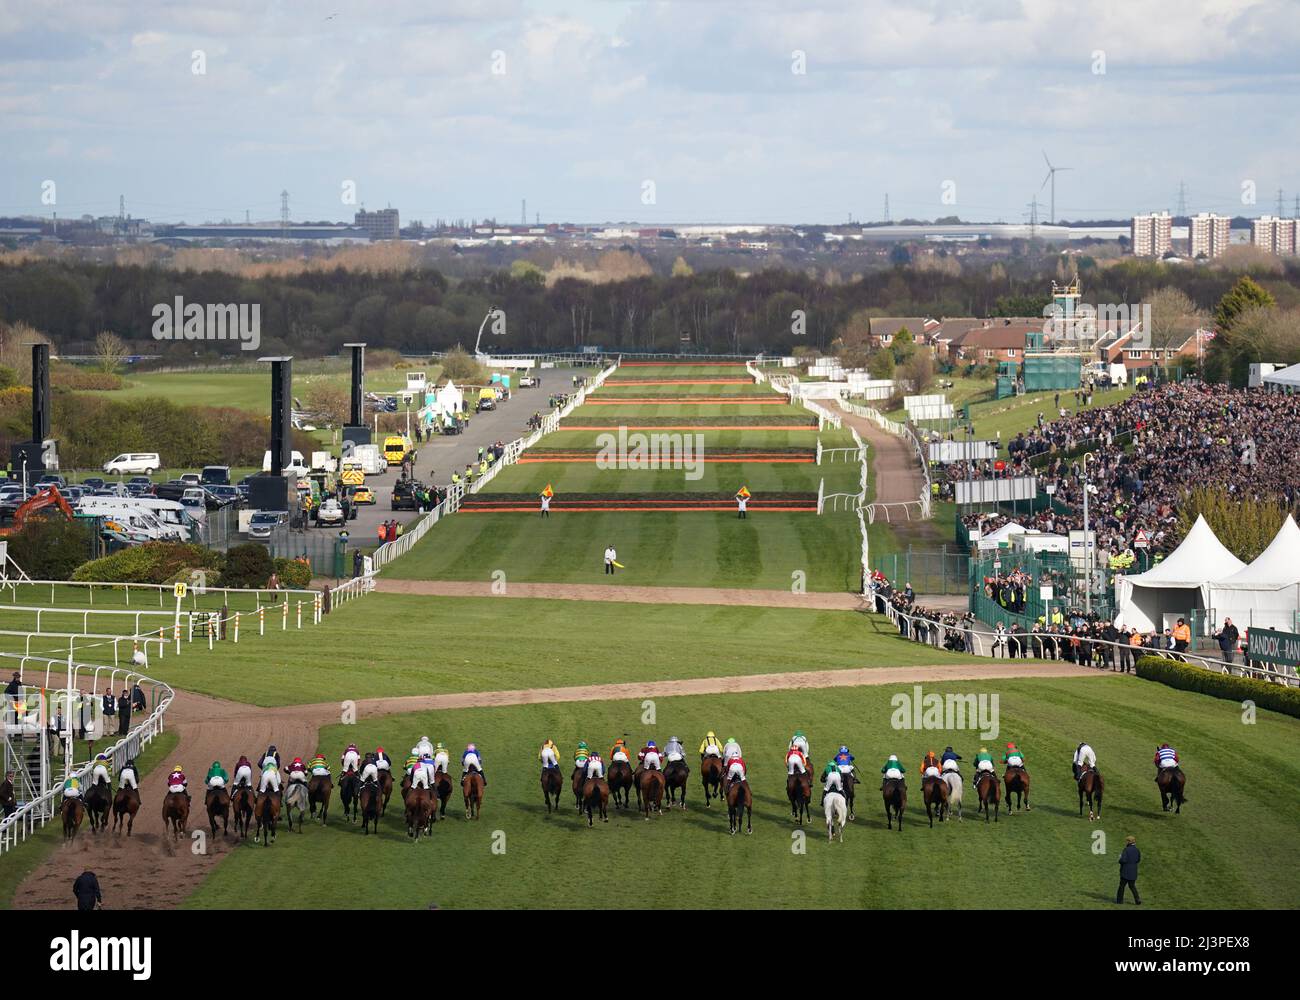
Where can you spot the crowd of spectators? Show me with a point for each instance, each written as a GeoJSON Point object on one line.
{"type": "Point", "coordinates": [937, 627]}
{"type": "Point", "coordinates": [1149, 452]}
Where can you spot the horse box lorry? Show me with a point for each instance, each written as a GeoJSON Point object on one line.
{"type": "Point", "coordinates": [369, 457]}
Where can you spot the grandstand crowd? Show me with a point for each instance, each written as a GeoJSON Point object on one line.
{"type": "Point", "coordinates": [1181, 434]}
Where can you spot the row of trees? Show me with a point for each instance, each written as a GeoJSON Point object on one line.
{"type": "Point", "coordinates": [92, 429]}
{"type": "Point", "coordinates": [417, 309]}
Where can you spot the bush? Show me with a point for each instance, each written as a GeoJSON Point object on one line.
{"type": "Point", "coordinates": [66, 377]}
{"type": "Point", "coordinates": [295, 574]}
{"type": "Point", "coordinates": [51, 549]}
{"type": "Point", "coordinates": [152, 562]}
{"type": "Point", "coordinates": [1189, 678]}
{"type": "Point", "coordinates": [247, 565]}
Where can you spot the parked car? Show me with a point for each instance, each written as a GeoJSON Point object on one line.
{"type": "Point", "coordinates": [264, 523]}
{"type": "Point", "coordinates": [228, 495]}
{"type": "Point", "coordinates": [215, 475]}
{"type": "Point", "coordinates": [130, 463]}
{"type": "Point", "coordinates": [404, 494]}
{"type": "Point", "coordinates": [330, 514]}
{"type": "Point", "coordinates": [360, 495]}
{"type": "Point", "coordinates": [51, 479]}
{"type": "Point", "coordinates": [191, 478]}
{"type": "Point", "coordinates": [529, 381]}
{"type": "Point", "coordinates": [137, 484]}
{"type": "Point", "coordinates": [93, 483]}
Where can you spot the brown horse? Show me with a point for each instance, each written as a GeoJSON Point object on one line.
{"type": "Point", "coordinates": [1017, 782]}
{"type": "Point", "coordinates": [349, 790]}
{"type": "Point", "coordinates": [370, 800]}
{"type": "Point", "coordinates": [241, 807]}
{"type": "Point", "coordinates": [176, 813]}
{"type": "Point", "coordinates": [442, 788]}
{"type": "Point", "coordinates": [620, 783]}
{"type": "Point", "coordinates": [935, 793]}
{"type": "Point", "coordinates": [217, 801]}
{"type": "Point", "coordinates": [579, 782]}
{"type": "Point", "coordinates": [419, 812]}
{"type": "Point", "coordinates": [319, 790]}
{"type": "Point", "coordinates": [385, 788]}
{"type": "Point", "coordinates": [1171, 781]}
{"type": "Point", "coordinates": [894, 792]}
{"type": "Point", "coordinates": [850, 782]}
{"type": "Point", "coordinates": [471, 786]}
{"type": "Point", "coordinates": [650, 791]}
{"type": "Point", "coordinates": [990, 794]}
{"type": "Point", "coordinates": [73, 812]}
{"type": "Point", "coordinates": [676, 774]}
{"type": "Point", "coordinates": [595, 798]}
{"type": "Point", "coordinates": [552, 785]}
{"type": "Point", "coordinates": [739, 800]}
{"type": "Point", "coordinates": [711, 771]}
{"type": "Point", "coordinates": [1091, 786]}
{"type": "Point", "coordinates": [126, 803]}
{"type": "Point", "coordinates": [266, 810]}
{"type": "Point", "coordinates": [798, 789]}
{"type": "Point", "coordinates": [99, 800]}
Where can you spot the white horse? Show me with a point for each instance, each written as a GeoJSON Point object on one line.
{"type": "Point", "coordinates": [837, 814]}
{"type": "Point", "coordinates": [953, 780]}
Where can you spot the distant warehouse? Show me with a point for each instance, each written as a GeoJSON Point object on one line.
{"type": "Point", "coordinates": [293, 233]}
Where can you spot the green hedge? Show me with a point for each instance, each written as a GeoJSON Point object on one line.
{"type": "Point", "coordinates": [1264, 694]}
{"type": "Point", "coordinates": [294, 574]}
{"type": "Point", "coordinates": [152, 562]}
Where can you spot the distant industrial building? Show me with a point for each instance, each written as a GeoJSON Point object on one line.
{"type": "Point", "coordinates": [1274, 235]}
{"type": "Point", "coordinates": [1209, 234]}
{"type": "Point", "coordinates": [381, 225]}
{"type": "Point", "coordinates": [1152, 234]}
{"type": "Point", "coordinates": [292, 233]}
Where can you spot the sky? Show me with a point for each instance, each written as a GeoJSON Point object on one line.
{"type": "Point", "coordinates": [779, 111]}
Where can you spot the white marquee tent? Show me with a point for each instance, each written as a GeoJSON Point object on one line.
{"type": "Point", "coordinates": [1284, 379]}
{"type": "Point", "coordinates": [1177, 585]}
{"type": "Point", "coordinates": [1267, 592]}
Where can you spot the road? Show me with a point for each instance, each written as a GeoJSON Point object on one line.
{"type": "Point", "coordinates": [436, 459]}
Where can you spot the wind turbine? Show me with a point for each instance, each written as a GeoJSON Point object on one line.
{"type": "Point", "coordinates": [1051, 176]}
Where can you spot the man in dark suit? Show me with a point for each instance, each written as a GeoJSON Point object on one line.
{"type": "Point", "coordinates": [123, 713]}
{"type": "Point", "coordinates": [1228, 638]}
{"type": "Point", "coordinates": [1128, 870]}
{"type": "Point", "coordinates": [86, 889]}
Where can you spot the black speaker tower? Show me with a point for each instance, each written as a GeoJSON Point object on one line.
{"type": "Point", "coordinates": [270, 490]}
{"type": "Point", "coordinates": [356, 430]}
{"type": "Point", "coordinates": [36, 454]}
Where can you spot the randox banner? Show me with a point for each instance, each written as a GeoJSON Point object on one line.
{"type": "Point", "coordinates": [1265, 645]}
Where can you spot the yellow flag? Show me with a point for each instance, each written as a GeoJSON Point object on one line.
{"type": "Point", "coordinates": [619, 564]}
{"type": "Point", "coordinates": [743, 492]}
{"type": "Point", "coordinates": [548, 492]}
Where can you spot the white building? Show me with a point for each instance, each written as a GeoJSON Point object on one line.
{"type": "Point", "coordinates": [1209, 234]}
{"type": "Point", "coordinates": [1274, 235]}
{"type": "Point", "coordinates": [1152, 234]}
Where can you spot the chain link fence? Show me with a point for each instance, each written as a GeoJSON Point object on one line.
{"type": "Point", "coordinates": [942, 572]}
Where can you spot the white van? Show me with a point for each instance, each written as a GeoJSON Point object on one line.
{"type": "Point", "coordinates": [137, 463]}
{"type": "Point", "coordinates": [175, 521]}
{"type": "Point", "coordinates": [297, 464]}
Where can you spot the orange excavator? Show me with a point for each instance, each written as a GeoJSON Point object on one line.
{"type": "Point", "coordinates": [42, 500]}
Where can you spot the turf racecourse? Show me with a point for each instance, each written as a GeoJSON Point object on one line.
{"type": "Point", "coordinates": [1228, 848]}
{"type": "Point", "coordinates": [696, 539]}
{"type": "Point", "coordinates": [391, 644]}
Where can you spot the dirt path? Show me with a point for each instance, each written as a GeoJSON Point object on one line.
{"type": "Point", "coordinates": [894, 470]}
{"type": "Point", "coordinates": [627, 595]}
{"type": "Point", "coordinates": [147, 872]}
